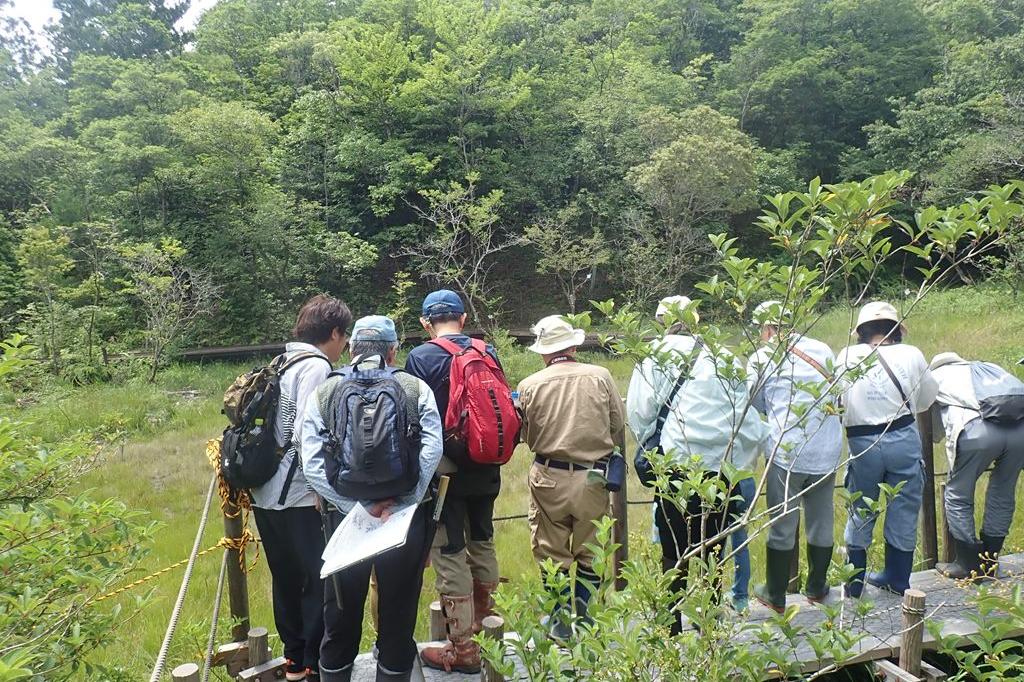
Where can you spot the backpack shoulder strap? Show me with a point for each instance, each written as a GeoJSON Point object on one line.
{"type": "Point", "coordinates": [892, 377]}
{"type": "Point", "coordinates": [812, 362]}
{"type": "Point", "coordinates": [447, 344]}
{"type": "Point", "coordinates": [291, 362]}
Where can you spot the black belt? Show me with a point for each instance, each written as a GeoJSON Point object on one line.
{"type": "Point", "coordinates": [876, 429]}
{"type": "Point", "coordinates": [570, 466]}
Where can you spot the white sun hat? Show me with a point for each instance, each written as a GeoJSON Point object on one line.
{"type": "Point", "coordinates": [943, 359]}
{"type": "Point", "coordinates": [555, 334]}
{"type": "Point", "coordinates": [878, 310]}
{"type": "Point", "coordinates": [667, 303]}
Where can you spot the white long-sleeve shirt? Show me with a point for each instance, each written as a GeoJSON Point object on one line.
{"type": "Point", "coordinates": [956, 404]}
{"type": "Point", "coordinates": [873, 398]}
{"type": "Point", "coordinates": [802, 437]}
{"type": "Point", "coordinates": [710, 417]}
{"type": "Point", "coordinates": [298, 383]}
{"type": "Point", "coordinates": [431, 447]}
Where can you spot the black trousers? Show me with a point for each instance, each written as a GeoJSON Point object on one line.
{"type": "Point", "coordinates": [682, 530]}
{"type": "Point", "coordinates": [399, 579]}
{"type": "Point", "coordinates": [293, 541]}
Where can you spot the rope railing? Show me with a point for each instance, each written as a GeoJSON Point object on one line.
{"type": "Point", "coordinates": [172, 624]}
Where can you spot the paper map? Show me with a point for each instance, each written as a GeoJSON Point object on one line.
{"type": "Point", "coordinates": [361, 536]}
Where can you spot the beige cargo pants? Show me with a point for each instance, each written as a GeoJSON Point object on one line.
{"type": "Point", "coordinates": [563, 509]}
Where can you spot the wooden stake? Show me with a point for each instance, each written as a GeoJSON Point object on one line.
{"type": "Point", "coordinates": [438, 626]}
{"type": "Point", "coordinates": [913, 631]}
{"type": "Point", "coordinates": [493, 628]}
{"type": "Point", "coordinates": [238, 583]}
{"type": "Point", "coordinates": [929, 529]}
{"type": "Point", "coordinates": [186, 672]}
{"type": "Point", "coordinates": [259, 647]}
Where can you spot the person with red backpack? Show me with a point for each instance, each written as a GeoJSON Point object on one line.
{"type": "Point", "coordinates": [481, 431]}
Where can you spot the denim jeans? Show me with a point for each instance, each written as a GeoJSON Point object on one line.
{"type": "Point", "coordinates": [741, 559]}
{"type": "Point", "coordinates": [889, 458]}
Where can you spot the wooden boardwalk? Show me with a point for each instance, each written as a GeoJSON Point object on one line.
{"type": "Point", "coordinates": [879, 633]}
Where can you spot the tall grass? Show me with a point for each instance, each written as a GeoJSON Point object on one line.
{"type": "Point", "coordinates": [162, 468]}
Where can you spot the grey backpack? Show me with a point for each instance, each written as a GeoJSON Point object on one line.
{"type": "Point", "coordinates": [1000, 394]}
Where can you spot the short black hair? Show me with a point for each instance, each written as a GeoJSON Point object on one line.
{"type": "Point", "coordinates": [892, 331]}
{"type": "Point", "coordinates": [441, 318]}
{"type": "Point", "coordinates": [319, 317]}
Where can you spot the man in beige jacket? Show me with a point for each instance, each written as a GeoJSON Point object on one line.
{"type": "Point", "coordinates": [573, 419]}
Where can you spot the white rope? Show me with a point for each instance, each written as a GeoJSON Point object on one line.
{"type": "Point", "coordinates": [161, 657]}
{"type": "Point", "coordinates": [211, 642]}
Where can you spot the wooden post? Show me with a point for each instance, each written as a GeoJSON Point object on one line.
{"type": "Point", "coordinates": [929, 530]}
{"type": "Point", "coordinates": [186, 672]}
{"type": "Point", "coordinates": [794, 565]}
{"type": "Point", "coordinates": [948, 550]}
{"type": "Point", "coordinates": [438, 625]}
{"type": "Point", "coordinates": [913, 631]}
{"type": "Point", "coordinates": [620, 512]}
{"type": "Point", "coordinates": [259, 647]}
{"type": "Point", "coordinates": [493, 628]}
{"type": "Point", "coordinates": [238, 583]}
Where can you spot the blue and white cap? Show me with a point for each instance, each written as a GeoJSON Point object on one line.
{"type": "Point", "coordinates": [374, 328]}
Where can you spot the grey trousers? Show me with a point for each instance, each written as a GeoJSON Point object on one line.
{"type": "Point", "coordinates": [980, 444]}
{"type": "Point", "coordinates": [787, 492]}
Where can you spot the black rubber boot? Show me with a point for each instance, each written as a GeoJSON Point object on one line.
{"type": "Point", "coordinates": [342, 675]}
{"type": "Point", "coordinates": [895, 577]}
{"type": "Point", "coordinates": [818, 560]}
{"type": "Point", "coordinates": [385, 675]}
{"type": "Point", "coordinates": [855, 583]}
{"type": "Point", "coordinates": [966, 565]}
{"type": "Point", "coordinates": [773, 593]}
{"type": "Point", "coordinates": [990, 549]}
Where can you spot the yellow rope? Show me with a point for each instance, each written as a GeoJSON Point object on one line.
{"type": "Point", "coordinates": [232, 503]}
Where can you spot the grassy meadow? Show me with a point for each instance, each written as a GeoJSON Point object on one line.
{"type": "Point", "coordinates": [162, 467]}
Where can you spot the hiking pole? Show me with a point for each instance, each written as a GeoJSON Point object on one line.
{"type": "Point", "coordinates": [328, 528]}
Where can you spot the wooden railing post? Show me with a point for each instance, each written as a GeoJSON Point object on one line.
{"type": "Point", "coordinates": [186, 672]}
{"type": "Point", "coordinates": [494, 628]}
{"type": "Point", "coordinates": [259, 646]}
{"type": "Point", "coordinates": [438, 624]}
{"type": "Point", "coordinates": [620, 513]}
{"type": "Point", "coordinates": [929, 529]}
{"type": "Point", "coordinates": [238, 583]}
{"type": "Point", "coordinates": [913, 631]}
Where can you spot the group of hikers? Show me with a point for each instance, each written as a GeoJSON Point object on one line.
{"type": "Point", "coordinates": [383, 437]}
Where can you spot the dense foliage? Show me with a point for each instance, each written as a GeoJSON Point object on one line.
{"type": "Point", "coordinates": [293, 146]}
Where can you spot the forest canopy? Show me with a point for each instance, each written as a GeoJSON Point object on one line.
{"type": "Point", "coordinates": [582, 149]}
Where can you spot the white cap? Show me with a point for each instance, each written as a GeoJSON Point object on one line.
{"type": "Point", "coordinates": [943, 359]}
{"type": "Point", "coordinates": [771, 313]}
{"type": "Point", "coordinates": [669, 302]}
{"type": "Point", "coordinates": [555, 334]}
{"type": "Point", "coordinates": [877, 310]}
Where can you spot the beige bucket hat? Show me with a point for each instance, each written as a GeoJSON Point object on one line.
{"type": "Point", "coordinates": [943, 359]}
{"type": "Point", "coordinates": [555, 334]}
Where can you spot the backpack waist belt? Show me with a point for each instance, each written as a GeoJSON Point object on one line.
{"type": "Point", "coordinates": [875, 429]}
{"type": "Point", "coordinates": [570, 466]}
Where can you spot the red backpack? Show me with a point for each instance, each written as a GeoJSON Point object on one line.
{"type": "Point", "coordinates": [480, 411]}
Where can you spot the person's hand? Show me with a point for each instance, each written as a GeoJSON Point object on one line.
{"type": "Point", "coordinates": [382, 510]}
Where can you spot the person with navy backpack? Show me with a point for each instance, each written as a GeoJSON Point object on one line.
{"type": "Point", "coordinates": [284, 506]}
{"type": "Point", "coordinates": [481, 432]}
{"type": "Point", "coordinates": [372, 435]}
{"type": "Point", "coordinates": [980, 412]}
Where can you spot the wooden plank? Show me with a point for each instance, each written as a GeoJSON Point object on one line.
{"type": "Point", "coordinates": [890, 672]}
{"type": "Point", "coordinates": [270, 671]}
{"type": "Point", "coordinates": [913, 631]}
{"type": "Point", "coordinates": [233, 656]}
{"type": "Point", "coordinates": [929, 673]}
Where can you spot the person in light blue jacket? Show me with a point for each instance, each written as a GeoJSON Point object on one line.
{"type": "Point", "coordinates": [708, 425]}
{"type": "Point", "coordinates": [399, 571]}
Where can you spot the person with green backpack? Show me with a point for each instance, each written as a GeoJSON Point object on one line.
{"type": "Point", "coordinates": [266, 462]}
